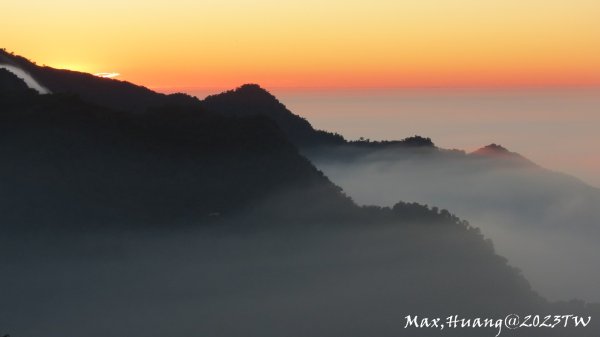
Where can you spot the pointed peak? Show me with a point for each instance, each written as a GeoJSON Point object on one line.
{"type": "Point", "coordinates": [251, 87]}
{"type": "Point", "coordinates": [250, 92]}
{"type": "Point", "coordinates": [496, 151]}
{"type": "Point", "coordinates": [245, 90]}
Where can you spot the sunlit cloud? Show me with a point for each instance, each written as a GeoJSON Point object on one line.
{"type": "Point", "coordinates": [107, 75]}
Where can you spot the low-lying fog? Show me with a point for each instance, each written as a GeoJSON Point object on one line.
{"type": "Point", "coordinates": [555, 127]}
{"type": "Point", "coordinates": [287, 282]}
{"type": "Point", "coordinates": [546, 224]}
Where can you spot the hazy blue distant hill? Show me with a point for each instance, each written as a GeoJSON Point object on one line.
{"type": "Point", "coordinates": [527, 210]}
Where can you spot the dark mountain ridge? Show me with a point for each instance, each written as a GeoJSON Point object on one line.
{"type": "Point", "coordinates": [252, 100]}
{"type": "Point", "coordinates": [112, 93]}
{"type": "Point", "coordinates": [225, 220]}
{"type": "Point", "coordinates": [247, 100]}
{"type": "Point", "coordinates": [71, 161]}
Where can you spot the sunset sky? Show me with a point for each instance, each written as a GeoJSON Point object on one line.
{"type": "Point", "coordinates": [313, 43]}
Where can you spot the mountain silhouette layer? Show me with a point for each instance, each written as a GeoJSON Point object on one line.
{"type": "Point", "coordinates": [126, 211]}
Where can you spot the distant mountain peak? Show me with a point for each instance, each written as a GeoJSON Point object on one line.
{"type": "Point", "coordinates": [496, 151]}
{"type": "Point", "coordinates": [493, 149]}
{"type": "Point", "coordinates": [248, 99]}
{"type": "Point", "coordinates": [251, 87]}
{"type": "Point", "coordinates": [255, 92]}
{"type": "Point", "coordinates": [252, 100]}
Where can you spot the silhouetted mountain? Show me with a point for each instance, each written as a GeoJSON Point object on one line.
{"type": "Point", "coordinates": [206, 222]}
{"type": "Point", "coordinates": [252, 100]}
{"type": "Point", "coordinates": [111, 93]}
{"type": "Point", "coordinates": [69, 161]}
{"type": "Point", "coordinates": [499, 188]}
{"type": "Point", "coordinates": [493, 150]}
{"type": "Point", "coordinates": [247, 100]}
{"type": "Point", "coordinates": [501, 155]}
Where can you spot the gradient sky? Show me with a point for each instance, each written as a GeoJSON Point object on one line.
{"type": "Point", "coordinates": [555, 127]}
{"type": "Point", "coordinates": [309, 43]}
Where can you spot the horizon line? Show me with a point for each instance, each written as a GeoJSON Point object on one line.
{"type": "Point", "coordinates": [218, 88]}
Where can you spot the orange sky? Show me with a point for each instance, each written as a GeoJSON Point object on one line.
{"type": "Point", "coordinates": [313, 43]}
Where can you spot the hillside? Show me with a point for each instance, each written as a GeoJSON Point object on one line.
{"type": "Point", "coordinates": [252, 100]}
{"type": "Point", "coordinates": [70, 161]}
{"type": "Point", "coordinates": [526, 209]}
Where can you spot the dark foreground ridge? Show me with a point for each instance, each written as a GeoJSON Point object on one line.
{"type": "Point", "coordinates": [495, 151]}
{"type": "Point", "coordinates": [245, 101]}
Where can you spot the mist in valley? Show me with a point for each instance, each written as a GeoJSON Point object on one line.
{"type": "Point", "coordinates": [125, 212]}
{"type": "Point", "coordinates": [318, 280]}
{"type": "Point", "coordinates": [545, 223]}
{"type": "Point", "coordinates": [555, 127]}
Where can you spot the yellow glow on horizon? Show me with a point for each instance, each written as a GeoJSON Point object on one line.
{"type": "Point", "coordinates": [312, 43]}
